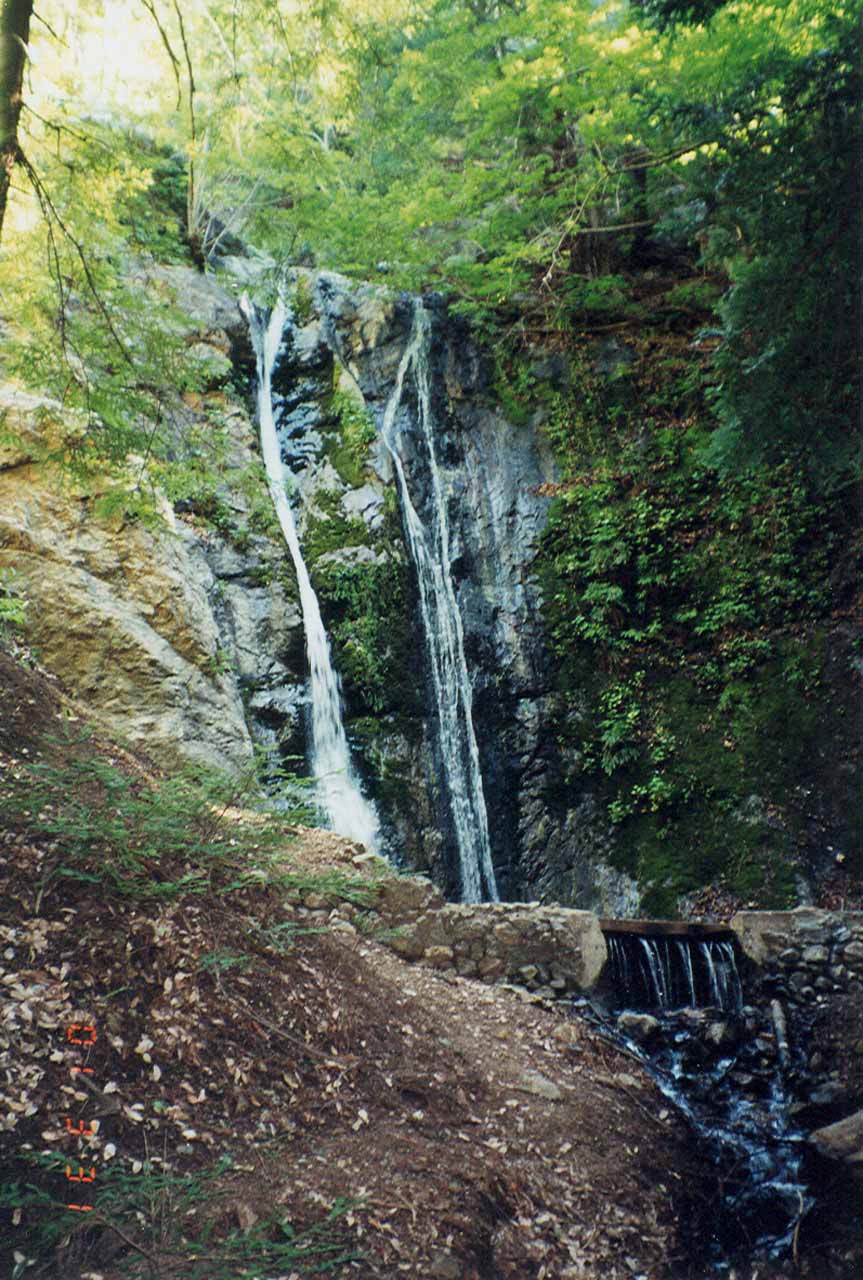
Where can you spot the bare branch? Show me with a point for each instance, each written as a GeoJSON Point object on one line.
{"type": "Point", "coordinates": [47, 25]}
{"type": "Point", "coordinates": [648, 161]}
{"type": "Point", "coordinates": [189, 72]}
{"type": "Point", "coordinates": [191, 191]}
{"type": "Point", "coordinates": [169, 49]}
{"type": "Point", "coordinates": [64, 128]}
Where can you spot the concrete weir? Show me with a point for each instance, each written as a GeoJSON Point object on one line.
{"type": "Point", "coordinates": [672, 964]}
{"type": "Point", "coordinates": [805, 956]}
{"type": "Point", "coordinates": [667, 928]}
{"type": "Point", "coordinates": [799, 956]}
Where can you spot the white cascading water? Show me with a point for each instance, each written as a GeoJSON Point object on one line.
{"type": "Point", "coordinates": [674, 973]}
{"type": "Point", "coordinates": [430, 549]}
{"type": "Point", "coordinates": [728, 1073]}
{"type": "Point", "coordinates": [338, 793]}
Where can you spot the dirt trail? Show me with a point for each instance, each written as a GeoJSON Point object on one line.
{"type": "Point", "coordinates": [414, 1123]}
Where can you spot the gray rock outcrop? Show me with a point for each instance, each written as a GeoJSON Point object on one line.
{"type": "Point", "coordinates": [188, 645]}
{"type": "Point", "coordinates": [842, 1141]}
{"type": "Point", "coordinates": [352, 338]}
{"type": "Point", "coordinates": [807, 956]}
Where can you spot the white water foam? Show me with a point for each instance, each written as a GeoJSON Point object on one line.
{"type": "Point", "coordinates": [337, 790]}
{"type": "Point", "coordinates": [430, 549]}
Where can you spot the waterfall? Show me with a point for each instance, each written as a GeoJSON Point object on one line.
{"type": "Point", "coordinates": [430, 549]}
{"type": "Point", "coordinates": [656, 972]}
{"type": "Point", "coordinates": [338, 792]}
{"type": "Point", "coordinates": [724, 978]}
{"type": "Point", "coordinates": [685, 953]}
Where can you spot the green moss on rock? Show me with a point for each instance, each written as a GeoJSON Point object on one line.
{"type": "Point", "coordinates": [690, 618]}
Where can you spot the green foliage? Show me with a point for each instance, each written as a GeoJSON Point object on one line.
{"type": "Point", "coordinates": [160, 1209]}
{"type": "Point", "coordinates": [198, 478]}
{"type": "Point", "coordinates": [644, 542]}
{"type": "Point", "coordinates": [524, 158]}
{"type": "Point", "coordinates": [578, 426]}
{"type": "Point", "coordinates": [517, 389]}
{"type": "Point", "coordinates": [219, 664]}
{"type": "Point", "coordinates": [502, 143]}
{"type": "Point", "coordinates": [302, 306]}
{"type": "Point", "coordinates": [274, 1244]}
{"type": "Point", "coordinates": [530, 160]}
{"type": "Point", "coordinates": [13, 606]}
{"type": "Point", "coordinates": [154, 213]}
{"type": "Point", "coordinates": [348, 449]}
{"type": "Point", "coordinates": [785, 224]}
{"type": "Point", "coordinates": [368, 605]}
{"type": "Point", "coordinates": [693, 295]}
{"type": "Point", "coordinates": [329, 528]}
{"type": "Point", "coordinates": [368, 611]}
{"type": "Point", "coordinates": [164, 840]}
{"type": "Point", "coordinates": [155, 1199]}
{"type": "Point", "coordinates": [682, 608]}
{"type": "Point", "coordinates": [666, 14]}
{"type": "Point", "coordinates": [281, 937]}
{"type": "Point", "coordinates": [92, 327]}
{"type": "Point", "coordinates": [600, 295]}
{"type": "Point", "coordinates": [224, 961]}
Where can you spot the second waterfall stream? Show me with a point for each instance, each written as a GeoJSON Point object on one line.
{"type": "Point", "coordinates": [429, 545]}
{"type": "Point", "coordinates": [338, 791]}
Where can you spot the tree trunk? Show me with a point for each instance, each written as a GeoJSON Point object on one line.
{"type": "Point", "coordinates": [14, 36]}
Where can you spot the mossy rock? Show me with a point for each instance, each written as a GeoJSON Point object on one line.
{"type": "Point", "coordinates": [348, 440]}
{"type": "Point", "coordinates": [329, 529]}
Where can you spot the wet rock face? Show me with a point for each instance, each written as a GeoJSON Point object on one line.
{"type": "Point", "coordinates": [491, 471]}
{"type": "Point", "coordinates": [547, 842]}
{"type": "Point", "coordinates": [640, 1027]}
{"type": "Point", "coordinates": [192, 640]}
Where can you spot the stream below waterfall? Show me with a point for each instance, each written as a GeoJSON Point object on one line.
{"type": "Point", "coordinates": [727, 1068]}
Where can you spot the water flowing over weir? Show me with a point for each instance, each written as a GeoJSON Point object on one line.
{"type": "Point", "coordinates": [723, 1065]}
{"type": "Point", "coordinates": [655, 972]}
{"type": "Point", "coordinates": [430, 549]}
{"type": "Point", "coordinates": [338, 791]}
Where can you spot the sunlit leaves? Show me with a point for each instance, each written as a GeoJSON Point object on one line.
{"type": "Point", "coordinates": [487, 149]}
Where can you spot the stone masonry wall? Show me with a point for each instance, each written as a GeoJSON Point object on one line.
{"type": "Point", "coordinates": [806, 957]}
{"type": "Point", "coordinates": [549, 950]}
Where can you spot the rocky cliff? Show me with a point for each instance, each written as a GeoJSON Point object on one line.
{"type": "Point", "coordinates": [178, 633]}
{"type": "Point", "coordinates": [187, 634]}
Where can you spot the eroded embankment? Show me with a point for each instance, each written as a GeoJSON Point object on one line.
{"type": "Point", "coordinates": [401, 1121]}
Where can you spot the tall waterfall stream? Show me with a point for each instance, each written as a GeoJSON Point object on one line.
{"type": "Point", "coordinates": [442, 626]}
{"type": "Point", "coordinates": [679, 1007]}
{"type": "Point", "coordinates": [338, 791]}
{"type": "Point", "coordinates": [339, 794]}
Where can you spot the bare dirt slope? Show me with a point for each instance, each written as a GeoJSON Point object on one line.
{"type": "Point", "coordinates": [274, 1102]}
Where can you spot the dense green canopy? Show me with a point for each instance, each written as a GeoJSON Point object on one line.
{"type": "Point", "coordinates": [679, 178]}
{"type": "Point", "coordinates": [521, 156]}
